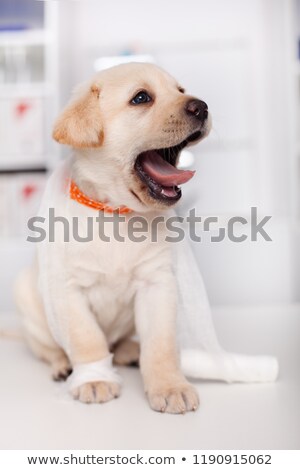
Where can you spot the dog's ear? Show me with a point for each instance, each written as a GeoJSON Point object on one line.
{"type": "Point", "coordinates": [79, 125]}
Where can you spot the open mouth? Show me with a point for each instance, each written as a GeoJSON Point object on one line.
{"type": "Point", "coordinates": [157, 169]}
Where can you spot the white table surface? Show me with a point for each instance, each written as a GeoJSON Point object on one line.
{"type": "Point", "coordinates": [36, 413]}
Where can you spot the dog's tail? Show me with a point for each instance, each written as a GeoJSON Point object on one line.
{"type": "Point", "coordinates": [11, 333]}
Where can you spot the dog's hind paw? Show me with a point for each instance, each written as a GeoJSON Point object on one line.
{"type": "Point", "coordinates": [127, 353]}
{"type": "Point", "coordinates": [61, 369]}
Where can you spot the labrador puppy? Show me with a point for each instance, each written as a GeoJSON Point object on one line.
{"type": "Point", "coordinates": [127, 128]}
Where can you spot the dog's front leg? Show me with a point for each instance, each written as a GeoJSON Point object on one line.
{"type": "Point", "coordinates": [166, 387]}
{"type": "Point", "coordinates": [86, 345]}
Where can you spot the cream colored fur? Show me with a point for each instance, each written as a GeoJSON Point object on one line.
{"type": "Point", "coordinates": [116, 289]}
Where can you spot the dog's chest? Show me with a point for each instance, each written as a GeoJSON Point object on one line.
{"type": "Point", "coordinates": [107, 279]}
{"type": "Point", "coordinates": [113, 249]}
{"type": "Point", "coordinates": [109, 274]}
{"type": "Point", "coordinates": [110, 271]}
{"type": "Point", "coordinates": [112, 302]}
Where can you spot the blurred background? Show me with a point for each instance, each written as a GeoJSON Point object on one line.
{"type": "Point", "coordinates": [241, 57]}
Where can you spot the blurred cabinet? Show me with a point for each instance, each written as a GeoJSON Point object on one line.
{"type": "Point", "coordinates": [28, 83]}
{"type": "Point", "coordinates": [21, 193]}
{"type": "Point", "coordinates": [28, 105]}
{"type": "Point", "coordinates": [22, 129]}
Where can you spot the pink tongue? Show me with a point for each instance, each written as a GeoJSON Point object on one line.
{"type": "Point", "coordinates": [163, 172]}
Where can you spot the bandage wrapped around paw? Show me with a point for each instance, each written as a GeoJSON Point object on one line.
{"type": "Point", "coordinates": [98, 371]}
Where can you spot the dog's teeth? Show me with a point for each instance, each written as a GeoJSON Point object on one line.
{"type": "Point", "coordinates": [169, 192]}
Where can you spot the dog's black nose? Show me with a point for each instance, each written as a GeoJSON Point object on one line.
{"type": "Point", "coordinates": [197, 108]}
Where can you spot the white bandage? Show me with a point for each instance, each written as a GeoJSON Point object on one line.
{"type": "Point", "coordinates": [228, 367]}
{"type": "Point", "coordinates": [99, 371]}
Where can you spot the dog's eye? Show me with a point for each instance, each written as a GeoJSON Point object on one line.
{"type": "Point", "coordinates": [141, 97]}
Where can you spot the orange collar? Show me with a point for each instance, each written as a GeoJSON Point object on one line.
{"type": "Point", "coordinates": [80, 197]}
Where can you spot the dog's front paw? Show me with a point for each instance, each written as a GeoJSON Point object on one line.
{"type": "Point", "coordinates": [97, 392]}
{"type": "Point", "coordinates": [174, 399]}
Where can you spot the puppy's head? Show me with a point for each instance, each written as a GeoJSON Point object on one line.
{"type": "Point", "coordinates": [135, 119]}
